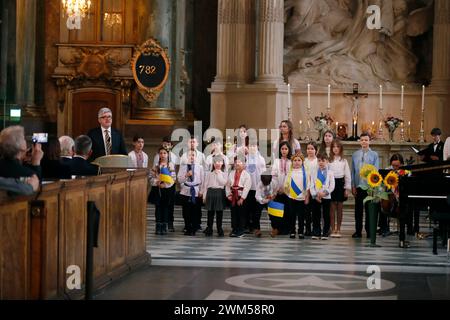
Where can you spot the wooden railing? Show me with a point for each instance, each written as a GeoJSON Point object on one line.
{"type": "Point", "coordinates": [42, 236]}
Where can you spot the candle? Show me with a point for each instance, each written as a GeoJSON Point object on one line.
{"type": "Point", "coordinates": [373, 124]}
{"type": "Point", "coordinates": [337, 126]}
{"type": "Point", "coordinates": [301, 122]}
{"type": "Point", "coordinates": [309, 96]}
{"type": "Point", "coordinates": [409, 130]}
{"type": "Point", "coordinates": [381, 97]}
{"type": "Point", "coordinates": [309, 125]}
{"type": "Point", "coordinates": [329, 97]}
{"type": "Point", "coordinates": [423, 98]}
{"type": "Point", "coordinates": [401, 99]}
{"type": "Point", "coordinates": [381, 125]}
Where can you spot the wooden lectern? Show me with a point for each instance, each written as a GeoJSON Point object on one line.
{"type": "Point", "coordinates": [113, 163]}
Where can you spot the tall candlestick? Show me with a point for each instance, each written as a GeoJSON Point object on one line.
{"type": "Point", "coordinates": [423, 98]}
{"type": "Point", "coordinates": [337, 126]}
{"type": "Point", "coordinates": [329, 99]}
{"type": "Point", "coordinates": [309, 96]}
{"type": "Point", "coordinates": [409, 131]}
{"type": "Point", "coordinates": [402, 98]}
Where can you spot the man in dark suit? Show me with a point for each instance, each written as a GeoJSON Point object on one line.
{"type": "Point", "coordinates": [435, 150]}
{"type": "Point", "coordinates": [106, 140]}
{"type": "Point", "coordinates": [83, 150]}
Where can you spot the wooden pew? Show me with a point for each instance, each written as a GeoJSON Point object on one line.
{"type": "Point", "coordinates": [41, 239]}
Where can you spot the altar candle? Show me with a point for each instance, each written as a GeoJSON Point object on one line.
{"type": "Point", "coordinates": [373, 124]}
{"type": "Point", "coordinates": [309, 96]}
{"type": "Point", "coordinates": [309, 125]}
{"type": "Point", "coordinates": [337, 126]}
{"type": "Point", "coordinates": [401, 99]}
{"type": "Point", "coordinates": [409, 129]}
{"type": "Point", "coordinates": [380, 125]}
{"type": "Point", "coordinates": [381, 97]}
{"type": "Point", "coordinates": [423, 98]}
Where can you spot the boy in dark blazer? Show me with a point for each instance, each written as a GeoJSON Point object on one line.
{"type": "Point", "coordinates": [435, 150]}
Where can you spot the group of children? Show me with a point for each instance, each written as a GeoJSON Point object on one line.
{"type": "Point", "coordinates": [311, 189]}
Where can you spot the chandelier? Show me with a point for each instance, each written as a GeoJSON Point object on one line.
{"type": "Point", "coordinates": [75, 10]}
{"type": "Point", "coordinates": [112, 19]}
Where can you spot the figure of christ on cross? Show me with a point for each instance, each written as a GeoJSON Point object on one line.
{"type": "Point", "coordinates": [355, 96]}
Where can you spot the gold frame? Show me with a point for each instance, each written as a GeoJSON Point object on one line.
{"type": "Point", "coordinates": [151, 46]}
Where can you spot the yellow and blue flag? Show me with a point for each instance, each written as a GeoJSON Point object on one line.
{"type": "Point", "coordinates": [320, 181]}
{"type": "Point", "coordinates": [275, 209]}
{"type": "Point", "coordinates": [294, 190]}
{"type": "Point", "coordinates": [165, 176]}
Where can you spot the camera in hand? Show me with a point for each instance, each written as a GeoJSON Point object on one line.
{"type": "Point", "coordinates": [40, 138]}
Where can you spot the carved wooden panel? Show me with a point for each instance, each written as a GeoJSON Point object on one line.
{"type": "Point", "coordinates": [14, 251]}
{"type": "Point", "coordinates": [137, 218]}
{"type": "Point", "coordinates": [72, 235]}
{"type": "Point", "coordinates": [98, 195]}
{"type": "Point", "coordinates": [117, 225]}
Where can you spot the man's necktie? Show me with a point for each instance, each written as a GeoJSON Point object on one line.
{"type": "Point", "coordinates": [108, 143]}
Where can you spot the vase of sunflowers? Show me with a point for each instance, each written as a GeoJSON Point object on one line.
{"type": "Point", "coordinates": [378, 189]}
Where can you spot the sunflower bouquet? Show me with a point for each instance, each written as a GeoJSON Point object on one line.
{"type": "Point", "coordinates": [378, 188]}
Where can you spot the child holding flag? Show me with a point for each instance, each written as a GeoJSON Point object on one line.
{"type": "Point", "coordinates": [280, 169]}
{"type": "Point", "coordinates": [214, 194]}
{"type": "Point", "coordinates": [161, 195]}
{"type": "Point", "coordinates": [322, 185]}
{"type": "Point", "coordinates": [265, 193]}
{"type": "Point", "coordinates": [296, 188]}
{"type": "Point", "coordinates": [239, 184]}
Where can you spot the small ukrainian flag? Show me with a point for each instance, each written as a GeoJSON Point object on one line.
{"type": "Point", "coordinates": [275, 209]}
{"type": "Point", "coordinates": [320, 181]}
{"type": "Point", "coordinates": [165, 176]}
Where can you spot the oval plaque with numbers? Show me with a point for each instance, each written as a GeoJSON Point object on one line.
{"type": "Point", "coordinates": [150, 69]}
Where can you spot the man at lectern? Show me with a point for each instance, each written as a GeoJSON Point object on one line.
{"type": "Point", "coordinates": [105, 139]}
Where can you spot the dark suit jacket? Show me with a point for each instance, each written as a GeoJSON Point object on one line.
{"type": "Point", "coordinates": [14, 169]}
{"type": "Point", "coordinates": [55, 169]}
{"type": "Point", "coordinates": [81, 167]}
{"type": "Point", "coordinates": [98, 145]}
{"type": "Point", "coordinates": [429, 151]}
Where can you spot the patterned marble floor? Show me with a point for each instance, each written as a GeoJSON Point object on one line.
{"type": "Point", "coordinates": [249, 268]}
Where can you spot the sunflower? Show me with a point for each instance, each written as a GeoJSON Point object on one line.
{"type": "Point", "coordinates": [391, 180]}
{"type": "Point", "coordinates": [374, 179]}
{"type": "Point", "coordinates": [366, 169]}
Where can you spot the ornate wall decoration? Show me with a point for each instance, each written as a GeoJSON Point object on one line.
{"type": "Point", "coordinates": [150, 66]}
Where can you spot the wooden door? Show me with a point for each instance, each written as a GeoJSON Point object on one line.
{"type": "Point", "coordinates": [85, 107]}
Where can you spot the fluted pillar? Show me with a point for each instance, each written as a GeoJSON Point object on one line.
{"type": "Point", "coordinates": [441, 46]}
{"type": "Point", "coordinates": [236, 41]}
{"type": "Point", "coordinates": [25, 51]}
{"type": "Point", "coordinates": [270, 24]}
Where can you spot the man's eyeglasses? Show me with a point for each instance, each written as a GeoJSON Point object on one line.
{"type": "Point", "coordinates": [106, 117]}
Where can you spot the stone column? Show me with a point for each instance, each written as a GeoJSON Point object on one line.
{"type": "Point", "coordinates": [441, 47]}
{"type": "Point", "coordinates": [270, 22]}
{"type": "Point", "coordinates": [235, 41]}
{"type": "Point", "coordinates": [161, 28]}
{"type": "Point", "coordinates": [25, 51]}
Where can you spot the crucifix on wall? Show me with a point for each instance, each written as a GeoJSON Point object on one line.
{"type": "Point", "coordinates": [355, 96]}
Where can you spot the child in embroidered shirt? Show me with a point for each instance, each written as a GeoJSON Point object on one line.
{"type": "Point", "coordinates": [161, 194]}
{"type": "Point", "coordinates": [310, 166]}
{"type": "Point", "coordinates": [265, 192]}
{"type": "Point", "coordinates": [296, 188]}
{"type": "Point", "coordinates": [280, 169]}
{"type": "Point", "coordinates": [214, 195]}
{"type": "Point", "coordinates": [139, 158]}
{"type": "Point", "coordinates": [322, 185]}
{"type": "Point", "coordinates": [238, 186]}
{"type": "Point", "coordinates": [191, 176]}
{"type": "Point", "coordinates": [256, 165]}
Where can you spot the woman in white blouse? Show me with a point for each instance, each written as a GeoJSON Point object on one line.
{"type": "Point", "coordinates": [342, 178]}
{"type": "Point", "coordinates": [286, 135]}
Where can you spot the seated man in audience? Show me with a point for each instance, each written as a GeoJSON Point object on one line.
{"type": "Point", "coordinates": [67, 149]}
{"type": "Point", "coordinates": [16, 187]}
{"type": "Point", "coordinates": [83, 150]}
{"type": "Point", "coordinates": [13, 151]}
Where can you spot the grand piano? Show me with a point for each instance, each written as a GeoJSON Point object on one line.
{"type": "Point", "coordinates": [427, 186]}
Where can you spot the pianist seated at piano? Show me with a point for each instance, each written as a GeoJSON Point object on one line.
{"type": "Point", "coordinates": [435, 151]}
